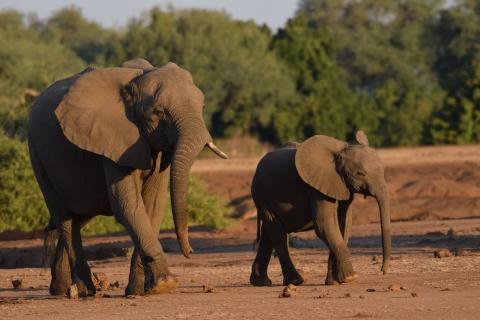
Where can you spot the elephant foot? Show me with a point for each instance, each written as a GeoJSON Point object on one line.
{"type": "Point", "coordinates": [329, 281]}
{"type": "Point", "coordinates": [295, 280]}
{"type": "Point", "coordinates": [59, 288]}
{"type": "Point", "coordinates": [135, 290]}
{"type": "Point", "coordinates": [258, 281]}
{"type": "Point", "coordinates": [346, 278]}
{"type": "Point", "coordinates": [74, 293]}
{"type": "Point", "coordinates": [163, 285]}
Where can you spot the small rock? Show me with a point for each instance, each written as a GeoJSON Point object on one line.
{"type": "Point", "coordinates": [114, 285]}
{"type": "Point", "coordinates": [415, 294]}
{"type": "Point", "coordinates": [403, 288]}
{"type": "Point", "coordinates": [73, 292]}
{"type": "Point", "coordinates": [362, 297]}
{"type": "Point", "coordinates": [103, 285]}
{"type": "Point", "coordinates": [377, 259]}
{"type": "Point", "coordinates": [98, 277]}
{"type": "Point", "coordinates": [442, 253]}
{"type": "Point", "coordinates": [371, 290]}
{"type": "Point", "coordinates": [462, 253]}
{"type": "Point", "coordinates": [348, 295]}
{"type": "Point", "coordinates": [394, 287]}
{"type": "Point", "coordinates": [17, 284]}
{"type": "Point", "coordinates": [323, 296]}
{"type": "Point", "coordinates": [289, 291]}
{"type": "Point", "coordinates": [192, 281]}
{"type": "Point", "coordinates": [207, 288]}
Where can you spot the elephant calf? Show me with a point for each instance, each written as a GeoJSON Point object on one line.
{"type": "Point", "coordinates": [301, 187]}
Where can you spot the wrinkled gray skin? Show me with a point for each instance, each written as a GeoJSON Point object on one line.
{"type": "Point", "coordinates": [307, 186]}
{"type": "Point", "coordinates": [105, 142]}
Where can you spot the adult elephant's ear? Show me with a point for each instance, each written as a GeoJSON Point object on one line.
{"type": "Point", "coordinates": [315, 162]}
{"type": "Point", "coordinates": [95, 117]}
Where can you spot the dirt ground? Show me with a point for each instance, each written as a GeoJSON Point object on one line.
{"type": "Point", "coordinates": [435, 195]}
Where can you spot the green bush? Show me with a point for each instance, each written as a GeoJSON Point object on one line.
{"type": "Point", "coordinates": [22, 206]}
{"type": "Point", "coordinates": [21, 203]}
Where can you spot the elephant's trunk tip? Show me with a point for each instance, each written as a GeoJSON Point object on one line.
{"type": "Point", "coordinates": [217, 151]}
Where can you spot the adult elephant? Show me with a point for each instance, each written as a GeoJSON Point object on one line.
{"type": "Point", "coordinates": [105, 142]}
{"type": "Point", "coordinates": [307, 186]}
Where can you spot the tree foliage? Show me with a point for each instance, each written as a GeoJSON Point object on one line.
{"type": "Point", "coordinates": [404, 71]}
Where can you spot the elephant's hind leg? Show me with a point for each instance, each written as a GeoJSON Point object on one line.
{"type": "Point", "coordinates": [259, 276]}
{"type": "Point", "coordinates": [69, 230]}
{"type": "Point", "coordinates": [280, 243]}
{"type": "Point", "coordinates": [61, 272]}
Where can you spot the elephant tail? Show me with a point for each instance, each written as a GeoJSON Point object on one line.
{"type": "Point", "coordinates": [258, 233]}
{"type": "Point", "coordinates": [50, 236]}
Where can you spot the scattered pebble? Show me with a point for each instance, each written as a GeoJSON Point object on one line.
{"type": "Point", "coordinates": [394, 287]}
{"type": "Point", "coordinates": [323, 296]}
{"type": "Point", "coordinates": [17, 284]}
{"type": "Point", "coordinates": [462, 253]}
{"type": "Point", "coordinates": [376, 259]}
{"type": "Point", "coordinates": [97, 277]}
{"type": "Point", "coordinates": [348, 295]}
{"type": "Point", "coordinates": [403, 288]}
{"type": "Point", "coordinates": [289, 291]}
{"type": "Point", "coordinates": [114, 285]}
{"type": "Point", "coordinates": [442, 253]}
{"type": "Point", "coordinates": [207, 288]}
{"type": "Point", "coordinates": [415, 294]}
{"type": "Point", "coordinates": [11, 301]}
{"type": "Point", "coordinates": [361, 297]}
{"type": "Point", "coordinates": [370, 290]}
{"type": "Point", "coordinates": [192, 281]}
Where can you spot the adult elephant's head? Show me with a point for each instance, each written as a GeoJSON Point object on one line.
{"type": "Point", "coordinates": [127, 113]}
{"type": "Point", "coordinates": [337, 169]}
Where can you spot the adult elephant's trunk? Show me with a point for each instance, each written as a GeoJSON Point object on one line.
{"type": "Point", "coordinates": [192, 137]}
{"type": "Point", "coordinates": [383, 201]}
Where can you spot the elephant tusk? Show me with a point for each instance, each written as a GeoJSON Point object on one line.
{"type": "Point", "coordinates": [217, 151]}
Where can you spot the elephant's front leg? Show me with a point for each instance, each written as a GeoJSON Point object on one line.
{"type": "Point", "coordinates": [344, 213]}
{"type": "Point", "coordinates": [125, 192]}
{"type": "Point", "coordinates": [154, 197]}
{"type": "Point", "coordinates": [325, 222]}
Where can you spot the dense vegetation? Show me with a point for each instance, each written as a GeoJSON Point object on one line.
{"type": "Point", "coordinates": [405, 71]}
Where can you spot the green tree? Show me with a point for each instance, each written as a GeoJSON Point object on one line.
{"type": "Point", "coordinates": [323, 100]}
{"type": "Point", "coordinates": [90, 42]}
{"type": "Point", "coordinates": [230, 62]}
{"type": "Point", "coordinates": [28, 65]}
{"type": "Point", "coordinates": [385, 49]}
